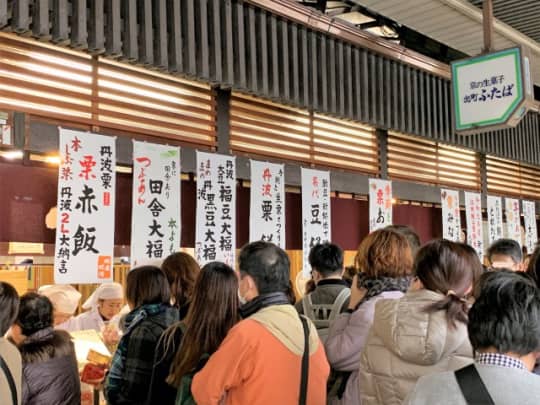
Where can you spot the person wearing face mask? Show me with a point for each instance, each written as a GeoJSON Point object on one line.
{"type": "Point", "coordinates": [106, 302]}
{"type": "Point", "coordinates": [264, 359]}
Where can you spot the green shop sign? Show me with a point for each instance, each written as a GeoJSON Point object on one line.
{"type": "Point", "coordinates": [490, 91]}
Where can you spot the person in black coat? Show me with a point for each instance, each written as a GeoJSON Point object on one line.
{"type": "Point", "coordinates": [50, 374]}
{"type": "Point", "coordinates": [160, 392]}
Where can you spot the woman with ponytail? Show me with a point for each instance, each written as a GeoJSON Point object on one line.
{"type": "Point", "coordinates": [425, 331]}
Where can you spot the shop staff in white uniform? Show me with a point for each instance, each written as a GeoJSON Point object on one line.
{"type": "Point", "coordinates": [65, 300]}
{"type": "Point", "coordinates": [103, 305]}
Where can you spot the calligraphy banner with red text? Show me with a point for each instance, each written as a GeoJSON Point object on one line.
{"type": "Point", "coordinates": [215, 236]}
{"type": "Point", "coordinates": [86, 196]}
{"type": "Point", "coordinates": [267, 212]}
{"type": "Point", "coordinates": [155, 224]}
{"type": "Point", "coordinates": [473, 211]}
{"type": "Point", "coordinates": [315, 212]}
{"type": "Point", "coordinates": [513, 220]}
{"type": "Point", "coordinates": [380, 204]}
{"type": "Point", "coordinates": [450, 215]}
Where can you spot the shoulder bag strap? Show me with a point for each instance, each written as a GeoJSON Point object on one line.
{"type": "Point", "coordinates": [338, 303]}
{"type": "Point", "coordinates": [305, 363]}
{"type": "Point", "coordinates": [472, 386]}
{"type": "Point", "coordinates": [307, 306]}
{"type": "Point", "coordinates": [10, 380]}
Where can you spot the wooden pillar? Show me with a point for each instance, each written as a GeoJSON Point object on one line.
{"type": "Point", "coordinates": [487, 9]}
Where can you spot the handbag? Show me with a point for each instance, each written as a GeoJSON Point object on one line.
{"type": "Point", "coordinates": [305, 364]}
{"type": "Point", "coordinates": [10, 380]}
{"type": "Point", "coordinates": [472, 387]}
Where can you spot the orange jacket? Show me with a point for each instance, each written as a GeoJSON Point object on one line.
{"type": "Point", "coordinates": [259, 363]}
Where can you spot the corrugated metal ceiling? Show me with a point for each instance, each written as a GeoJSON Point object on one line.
{"type": "Point", "coordinates": [458, 23]}
{"type": "Point", "coordinates": [523, 15]}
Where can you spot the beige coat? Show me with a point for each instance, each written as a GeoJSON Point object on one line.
{"type": "Point", "coordinates": [405, 343]}
{"type": "Point", "coordinates": [13, 359]}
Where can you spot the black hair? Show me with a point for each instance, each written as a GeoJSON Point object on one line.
{"type": "Point", "coordinates": [507, 247]}
{"type": "Point", "coordinates": [327, 259]}
{"type": "Point", "coordinates": [35, 313]}
{"type": "Point", "coordinates": [506, 314]}
{"type": "Point", "coordinates": [9, 302]}
{"type": "Point", "coordinates": [147, 285]}
{"type": "Point", "coordinates": [410, 234]}
{"type": "Point", "coordinates": [267, 264]}
{"type": "Point", "coordinates": [533, 269]}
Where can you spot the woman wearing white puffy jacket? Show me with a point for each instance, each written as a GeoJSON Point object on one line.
{"type": "Point", "coordinates": [423, 332]}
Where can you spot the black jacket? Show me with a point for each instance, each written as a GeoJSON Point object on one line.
{"type": "Point", "coordinates": [138, 360]}
{"type": "Point", "coordinates": [161, 393]}
{"type": "Point", "coordinates": [50, 374]}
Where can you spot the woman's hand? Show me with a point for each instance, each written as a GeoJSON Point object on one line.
{"type": "Point", "coordinates": [357, 293]}
{"type": "Point", "coordinates": [111, 337]}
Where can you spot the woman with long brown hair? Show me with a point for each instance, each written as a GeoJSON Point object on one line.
{"type": "Point", "coordinates": [181, 270]}
{"type": "Point", "coordinates": [212, 313]}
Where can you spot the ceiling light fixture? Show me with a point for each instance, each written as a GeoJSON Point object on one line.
{"type": "Point", "coordinates": [12, 154]}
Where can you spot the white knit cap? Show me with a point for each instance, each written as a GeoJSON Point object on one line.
{"type": "Point", "coordinates": [64, 298]}
{"type": "Point", "coordinates": [106, 291]}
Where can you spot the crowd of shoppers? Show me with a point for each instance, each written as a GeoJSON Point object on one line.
{"type": "Point", "coordinates": [407, 324]}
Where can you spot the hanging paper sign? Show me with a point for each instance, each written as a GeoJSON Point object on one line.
{"type": "Point", "coordinates": [473, 211]}
{"type": "Point", "coordinates": [451, 217]}
{"type": "Point", "coordinates": [495, 220]}
{"type": "Point", "coordinates": [380, 204]}
{"type": "Point", "coordinates": [267, 213]}
{"type": "Point", "coordinates": [85, 221]}
{"type": "Point", "coordinates": [529, 216]}
{"type": "Point", "coordinates": [513, 223]}
{"type": "Point", "coordinates": [155, 218]}
{"type": "Point", "coordinates": [215, 238]}
{"type": "Point", "coordinates": [315, 212]}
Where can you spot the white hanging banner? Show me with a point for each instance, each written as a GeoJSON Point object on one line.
{"type": "Point", "coordinates": [315, 212]}
{"type": "Point", "coordinates": [529, 216]}
{"type": "Point", "coordinates": [495, 219]}
{"type": "Point", "coordinates": [267, 212]}
{"type": "Point", "coordinates": [450, 213]}
{"type": "Point", "coordinates": [380, 204]}
{"type": "Point", "coordinates": [473, 211]}
{"type": "Point", "coordinates": [215, 238]}
{"type": "Point", "coordinates": [86, 195]}
{"type": "Point", "coordinates": [513, 223]}
{"type": "Point", "coordinates": [155, 218]}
